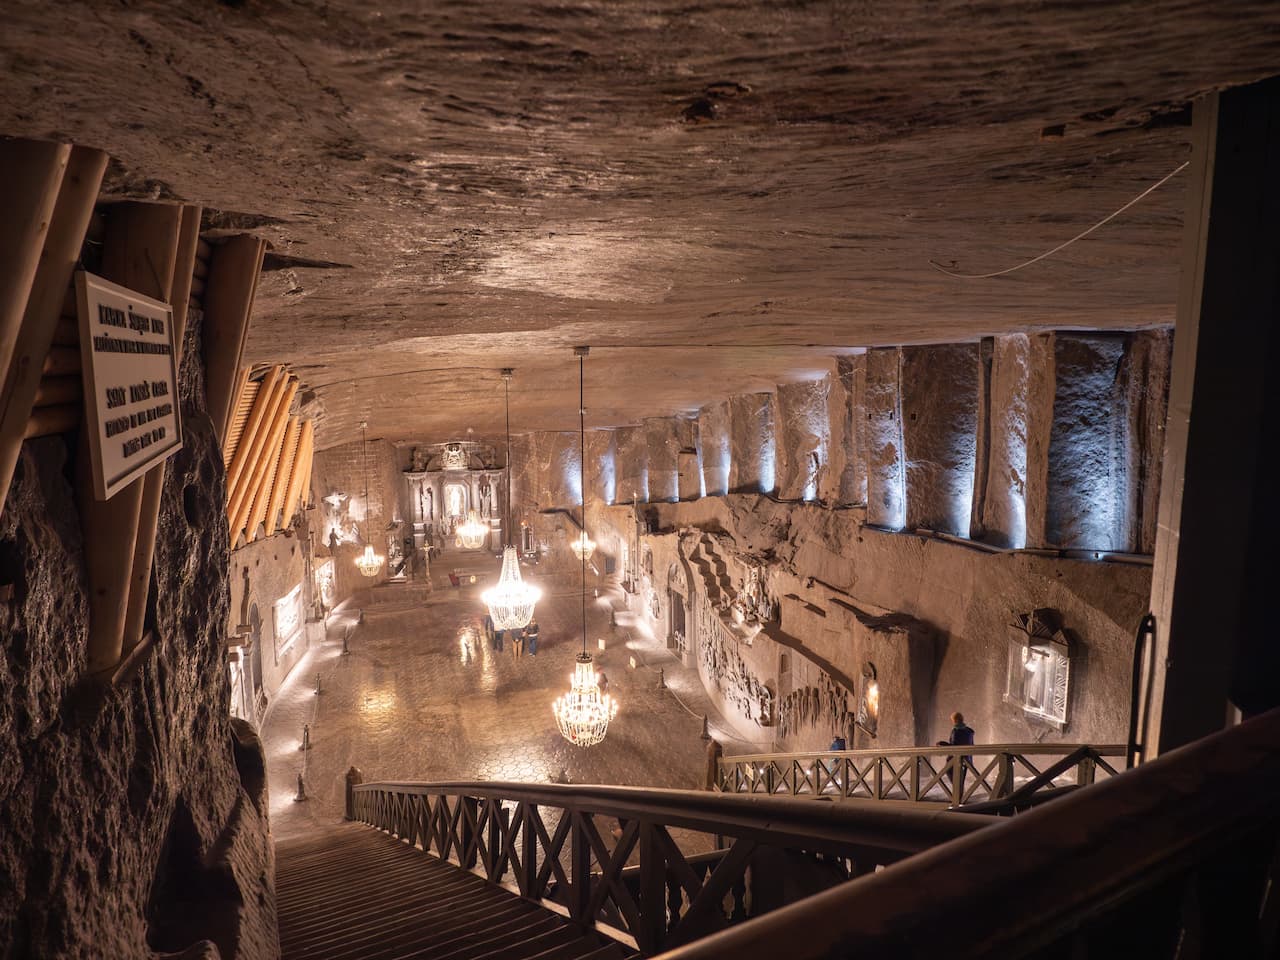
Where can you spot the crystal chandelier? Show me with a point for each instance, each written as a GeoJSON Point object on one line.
{"type": "Point", "coordinates": [370, 563]}
{"type": "Point", "coordinates": [582, 545]}
{"type": "Point", "coordinates": [583, 714]}
{"type": "Point", "coordinates": [471, 533]}
{"type": "Point", "coordinates": [511, 601]}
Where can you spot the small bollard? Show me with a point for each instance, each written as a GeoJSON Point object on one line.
{"type": "Point", "coordinates": [613, 616]}
{"type": "Point", "coordinates": [360, 619]}
{"type": "Point", "coordinates": [346, 635]}
{"type": "Point", "coordinates": [302, 791]}
{"type": "Point", "coordinates": [306, 736]}
{"type": "Point", "coordinates": [662, 678]}
{"type": "Point", "coordinates": [318, 690]}
{"type": "Point", "coordinates": [706, 732]}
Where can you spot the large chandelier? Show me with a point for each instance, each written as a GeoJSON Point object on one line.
{"type": "Point", "coordinates": [511, 601]}
{"type": "Point", "coordinates": [582, 545]}
{"type": "Point", "coordinates": [370, 563]}
{"type": "Point", "coordinates": [583, 714]}
{"type": "Point", "coordinates": [471, 532]}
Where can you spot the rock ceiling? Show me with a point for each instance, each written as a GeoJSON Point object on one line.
{"type": "Point", "coordinates": [715, 195]}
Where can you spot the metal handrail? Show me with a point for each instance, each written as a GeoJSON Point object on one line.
{"type": "Point", "coordinates": [1182, 846]}
{"type": "Point", "coordinates": [1001, 777]}
{"type": "Point", "coordinates": [542, 839]}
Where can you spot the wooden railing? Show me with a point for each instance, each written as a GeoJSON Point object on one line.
{"type": "Point", "coordinates": [677, 865]}
{"type": "Point", "coordinates": [1179, 857]}
{"type": "Point", "coordinates": [985, 778]}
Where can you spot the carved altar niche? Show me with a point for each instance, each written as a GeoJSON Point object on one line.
{"type": "Point", "coordinates": [448, 480]}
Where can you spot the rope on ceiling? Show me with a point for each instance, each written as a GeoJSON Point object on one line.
{"type": "Point", "coordinates": [1062, 246]}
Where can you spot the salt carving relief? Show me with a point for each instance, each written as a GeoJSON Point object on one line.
{"type": "Point", "coordinates": [823, 704]}
{"type": "Point", "coordinates": [1038, 678]}
{"type": "Point", "coordinates": [717, 649]}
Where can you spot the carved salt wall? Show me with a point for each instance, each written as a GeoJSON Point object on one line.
{"type": "Point", "coordinates": [135, 813]}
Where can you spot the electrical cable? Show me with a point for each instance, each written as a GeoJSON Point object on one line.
{"type": "Point", "coordinates": [1062, 246]}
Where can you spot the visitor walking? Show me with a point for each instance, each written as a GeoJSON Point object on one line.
{"type": "Point", "coordinates": [602, 683]}
{"type": "Point", "coordinates": [487, 625]}
{"type": "Point", "coordinates": [517, 644]}
{"type": "Point", "coordinates": [531, 637]}
{"type": "Point", "coordinates": [961, 736]}
{"type": "Point", "coordinates": [497, 640]}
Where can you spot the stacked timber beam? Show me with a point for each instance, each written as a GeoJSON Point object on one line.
{"type": "Point", "coordinates": [268, 454]}
{"type": "Point", "coordinates": [47, 212]}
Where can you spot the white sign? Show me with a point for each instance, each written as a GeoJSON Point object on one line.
{"type": "Point", "coordinates": [130, 370]}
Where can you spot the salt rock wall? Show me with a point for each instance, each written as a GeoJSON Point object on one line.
{"type": "Point", "coordinates": [752, 442]}
{"type": "Point", "coordinates": [134, 813]}
{"type": "Point", "coordinates": [1000, 512]}
{"type": "Point", "coordinates": [714, 445]}
{"type": "Point", "coordinates": [804, 438]}
{"type": "Point", "coordinates": [886, 484]}
{"type": "Point", "coordinates": [852, 373]}
{"type": "Point", "coordinates": [939, 434]}
{"type": "Point", "coordinates": [662, 435]}
{"type": "Point", "coordinates": [633, 463]}
{"type": "Point", "coordinates": [831, 561]}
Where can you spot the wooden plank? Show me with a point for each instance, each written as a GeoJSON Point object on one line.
{"type": "Point", "coordinates": [62, 242]}
{"type": "Point", "coordinates": [153, 481]}
{"type": "Point", "coordinates": [260, 412]}
{"type": "Point", "coordinates": [282, 473]}
{"type": "Point", "coordinates": [262, 497]}
{"type": "Point", "coordinates": [53, 391]}
{"type": "Point", "coordinates": [45, 421]}
{"type": "Point", "coordinates": [139, 252]}
{"type": "Point", "coordinates": [33, 172]}
{"type": "Point", "coordinates": [300, 476]}
{"type": "Point", "coordinates": [246, 392]}
{"type": "Point", "coordinates": [271, 443]}
{"type": "Point", "coordinates": [228, 302]}
{"type": "Point", "coordinates": [239, 483]}
{"type": "Point", "coordinates": [61, 362]}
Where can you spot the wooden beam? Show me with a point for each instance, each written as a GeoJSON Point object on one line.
{"type": "Point", "coordinates": [262, 499]}
{"type": "Point", "coordinates": [253, 440]}
{"type": "Point", "coordinates": [139, 252]}
{"type": "Point", "coordinates": [45, 421]}
{"type": "Point", "coordinates": [153, 482]}
{"type": "Point", "coordinates": [246, 392]}
{"type": "Point", "coordinates": [32, 172]}
{"type": "Point", "coordinates": [300, 475]}
{"type": "Point", "coordinates": [62, 243]}
{"type": "Point", "coordinates": [283, 473]}
{"type": "Point", "coordinates": [271, 442]}
{"type": "Point", "coordinates": [232, 283]}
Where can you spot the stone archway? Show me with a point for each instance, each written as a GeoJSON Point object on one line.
{"type": "Point", "coordinates": [255, 660]}
{"type": "Point", "coordinates": [678, 617]}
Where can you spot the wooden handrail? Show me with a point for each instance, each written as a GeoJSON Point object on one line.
{"type": "Point", "coordinates": [543, 840]}
{"type": "Point", "coordinates": [981, 749]}
{"type": "Point", "coordinates": [1185, 842]}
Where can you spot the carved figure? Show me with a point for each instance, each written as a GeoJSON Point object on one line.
{"type": "Point", "coordinates": [486, 498]}
{"type": "Point", "coordinates": [419, 460]}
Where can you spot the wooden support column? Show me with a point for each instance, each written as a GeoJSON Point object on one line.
{"type": "Point", "coordinates": [33, 171]}
{"type": "Point", "coordinates": [1217, 528]}
{"type": "Point", "coordinates": [228, 302]}
{"type": "Point", "coordinates": [283, 473]}
{"type": "Point", "coordinates": [70, 219]}
{"type": "Point", "coordinates": [259, 414]}
{"type": "Point", "coordinates": [139, 252]}
{"type": "Point", "coordinates": [300, 476]}
{"type": "Point", "coordinates": [268, 444]}
{"type": "Point", "coordinates": [153, 481]}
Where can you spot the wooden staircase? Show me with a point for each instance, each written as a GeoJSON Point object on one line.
{"type": "Point", "coordinates": [352, 891]}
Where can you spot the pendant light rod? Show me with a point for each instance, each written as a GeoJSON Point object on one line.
{"type": "Point", "coordinates": [581, 353]}
{"type": "Point", "coordinates": [364, 459]}
{"type": "Point", "coordinates": [507, 374]}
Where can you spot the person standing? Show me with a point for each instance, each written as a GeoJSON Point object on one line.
{"type": "Point", "coordinates": [517, 644]}
{"type": "Point", "coordinates": [961, 736]}
{"type": "Point", "coordinates": [497, 640]}
{"type": "Point", "coordinates": [531, 637]}
{"type": "Point", "coordinates": [487, 625]}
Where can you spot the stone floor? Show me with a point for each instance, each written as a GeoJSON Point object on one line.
{"type": "Point", "coordinates": [421, 696]}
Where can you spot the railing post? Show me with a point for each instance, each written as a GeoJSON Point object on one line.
{"type": "Point", "coordinates": [353, 777]}
{"type": "Point", "coordinates": [1004, 777]}
{"type": "Point", "coordinates": [529, 852]}
{"type": "Point", "coordinates": [1086, 770]}
{"type": "Point", "coordinates": [879, 778]}
{"type": "Point", "coordinates": [470, 813]}
{"type": "Point", "coordinates": [653, 900]}
{"type": "Point", "coordinates": [579, 870]}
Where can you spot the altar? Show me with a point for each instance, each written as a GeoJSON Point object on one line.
{"type": "Point", "coordinates": [448, 480]}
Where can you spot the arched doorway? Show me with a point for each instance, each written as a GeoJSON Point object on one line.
{"type": "Point", "coordinates": [677, 613]}
{"type": "Point", "coordinates": [255, 659]}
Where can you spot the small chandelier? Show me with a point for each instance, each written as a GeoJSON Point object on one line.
{"type": "Point", "coordinates": [511, 601]}
{"type": "Point", "coordinates": [583, 714]}
{"type": "Point", "coordinates": [583, 546]}
{"type": "Point", "coordinates": [470, 534]}
{"type": "Point", "coordinates": [370, 564]}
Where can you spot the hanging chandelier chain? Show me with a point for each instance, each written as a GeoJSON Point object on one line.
{"type": "Point", "coordinates": [582, 481]}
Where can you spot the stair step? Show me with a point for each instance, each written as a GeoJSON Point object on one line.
{"type": "Point", "coordinates": [351, 891]}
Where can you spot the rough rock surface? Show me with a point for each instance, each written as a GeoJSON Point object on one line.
{"type": "Point", "coordinates": [1003, 511]}
{"type": "Point", "coordinates": [714, 444]}
{"type": "Point", "coordinates": [455, 187]}
{"type": "Point", "coordinates": [133, 814]}
{"type": "Point", "coordinates": [886, 479]}
{"type": "Point", "coordinates": [753, 445]}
